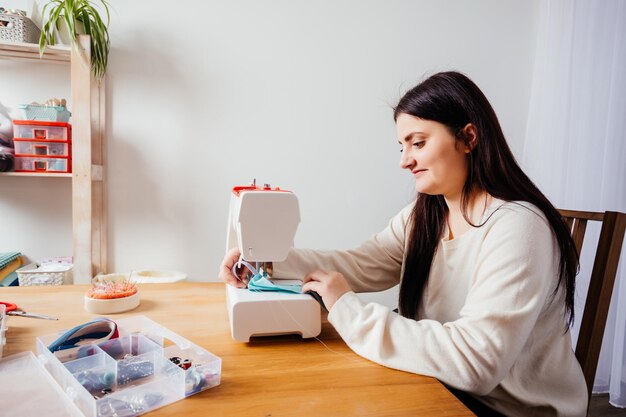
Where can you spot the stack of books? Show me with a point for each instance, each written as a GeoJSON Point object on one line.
{"type": "Point", "coordinates": [9, 263]}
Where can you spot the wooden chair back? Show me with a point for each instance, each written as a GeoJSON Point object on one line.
{"type": "Point", "coordinates": [601, 282]}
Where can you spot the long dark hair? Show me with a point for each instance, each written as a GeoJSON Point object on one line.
{"type": "Point", "coordinates": [452, 99]}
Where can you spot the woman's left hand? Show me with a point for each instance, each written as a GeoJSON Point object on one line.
{"type": "Point", "coordinates": [329, 285]}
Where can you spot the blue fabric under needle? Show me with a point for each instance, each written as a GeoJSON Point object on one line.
{"type": "Point", "coordinates": [262, 283]}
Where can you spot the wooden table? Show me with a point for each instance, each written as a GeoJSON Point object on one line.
{"type": "Point", "coordinates": [277, 376]}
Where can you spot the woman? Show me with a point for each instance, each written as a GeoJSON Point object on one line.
{"type": "Point", "coordinates": [485, 264]}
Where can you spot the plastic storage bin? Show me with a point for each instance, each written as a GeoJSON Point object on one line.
{"type": "Point", "coordinates": [25, 147]}
{"type": "Point", "coordinates": [18, 29]}
{"type": "Point", "coordinates": [45, 113]}
{"type": "Point", "coordinates": [32, 129]}
{"type": "Point", "coordinates": [38, 164]}
{"type": "Point", "coordinates": [50, 274]}
{"type": "Point", "coordinates": [130, 375]}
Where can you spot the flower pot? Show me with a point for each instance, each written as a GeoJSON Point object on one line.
{"type": "Point", "coordinates": [63, 35]}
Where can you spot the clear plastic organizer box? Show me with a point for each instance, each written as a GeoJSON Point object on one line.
{"type": "Point", "coordinates": [130, 375]}
{"type": "Point", "coordinates": [41, 147]}
{"type": "Point", "coordinates": [32, 129]}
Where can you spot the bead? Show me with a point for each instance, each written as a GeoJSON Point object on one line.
{"type": "Point", "coordinates": [185, 364]}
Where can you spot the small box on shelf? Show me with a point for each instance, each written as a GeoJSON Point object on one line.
{"type": "Point", "coordinates": [42, 165]}
{"type": "Point", "coordinates": [45, 113]}
{"type": "Point", "coordinates": [17, 28]}
{"type": "Point", "coordinates": [34, 129]}
{"type": "Point", "coordinates": [42, 147]}
{"type": "Point", "coordinates": [27, 147]}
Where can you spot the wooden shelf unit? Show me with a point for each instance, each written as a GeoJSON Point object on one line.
{"type": "Point", "coordinates": [89, 237]}
{"type": "Point", "coordinates": [36, 174]}
{"type": "Point", "coordinates": [30, 52]}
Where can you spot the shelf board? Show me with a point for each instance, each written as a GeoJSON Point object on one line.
{"type": "Point", "coordinates": [36, 174]}
{"type": "Point", "coordinates": [30, 52]}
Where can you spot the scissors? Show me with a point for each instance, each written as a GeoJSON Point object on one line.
{"type": "Point", "coordinates": [13, 310]}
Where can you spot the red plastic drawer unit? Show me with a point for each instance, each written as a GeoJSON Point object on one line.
{"type": "Point", "coordinates": [42, 146]}
{"type": "Point", "coordinates": [33, 129]}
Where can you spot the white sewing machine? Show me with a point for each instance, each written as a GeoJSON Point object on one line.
{"type": "Point", "coordinates": [262, 223]}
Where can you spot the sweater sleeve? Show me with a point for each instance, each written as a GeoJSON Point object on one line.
{"type": "Point", "coordinates": [375, 265]}
{"type": "Point", "coordinates": [513, 278]}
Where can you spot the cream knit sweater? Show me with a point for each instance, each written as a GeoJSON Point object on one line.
{"type": "Point", "coordinates": [490, 323]}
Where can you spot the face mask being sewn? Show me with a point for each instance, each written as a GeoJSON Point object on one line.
{"type": "Point", "coordinates": [262, 283]}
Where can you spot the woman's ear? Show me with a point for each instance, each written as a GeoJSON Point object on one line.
{"type": "Point", "coordinates": [469, 132]}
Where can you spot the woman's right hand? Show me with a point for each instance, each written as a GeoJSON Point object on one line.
{"type": "Point", "coordinates": [226, 273]}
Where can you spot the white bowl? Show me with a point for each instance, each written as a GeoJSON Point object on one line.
{"type": "Point", "coordinates": [151, 277]}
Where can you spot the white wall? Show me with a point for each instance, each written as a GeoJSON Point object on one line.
{"type": "Point", "coordinates": [206, 95]}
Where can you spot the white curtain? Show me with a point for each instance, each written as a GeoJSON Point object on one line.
{"type": "Point", "coordinates": [575, 148]}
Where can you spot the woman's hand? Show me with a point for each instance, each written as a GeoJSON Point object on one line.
{"type": "Point", "coordinates": [329, 285]}
{"type": "Point", "coordinates": [226, 273]}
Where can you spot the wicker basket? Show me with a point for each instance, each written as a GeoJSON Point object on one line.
{"type": "Point", "coordinates": [18, 29]}
{"type": "Point", "coordinates": [34, 274]}
{"type": "Point", "coordinates": [45, 113]}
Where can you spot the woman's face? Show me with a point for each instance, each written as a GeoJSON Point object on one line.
{"type": "Point", "coordinates": [430, 151]}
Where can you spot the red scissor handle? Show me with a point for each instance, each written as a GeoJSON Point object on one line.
{"type": "Point", "coordinates": [9, 306]}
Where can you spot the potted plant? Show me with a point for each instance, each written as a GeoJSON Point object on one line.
{"type": "Point", "coordinates": [78, 17]}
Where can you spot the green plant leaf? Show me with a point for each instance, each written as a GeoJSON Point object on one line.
{"type": "Point", "coordinates": [83, 11]}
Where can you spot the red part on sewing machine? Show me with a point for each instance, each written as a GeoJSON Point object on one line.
{"type": "Point", "coordinates": [239, 188]}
